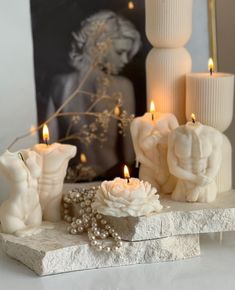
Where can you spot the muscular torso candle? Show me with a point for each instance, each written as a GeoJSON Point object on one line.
{"type": "Point", "coordinates": [55, 158]}
{"type": "Point", "coordinates": [194, 157]}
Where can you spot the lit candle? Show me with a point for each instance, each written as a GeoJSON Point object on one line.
{"type": "Point", "coordinates": [194, 157]}
{"type": "Point", "coordinates": [55, 158]}
{"type": "Point", "coordinates": [131, 5]}
{"type": "Point", "coordinates": [126, 174]}
{"type": "Point", "coordinates": [149, 136]}
{"type": "Point", "coordinates": [126, 197]}
{"type": "Point", "coordinates": [209, 96]}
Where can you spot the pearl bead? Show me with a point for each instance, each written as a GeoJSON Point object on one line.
{"type": "Point", "coordinates": [103, 222]}
{"type": "Point", "coordinates": [90, 195]}
{"type": "Point", "coordinates": [74, 219]}
{"type": "Point", "coordinates": [119, 244]}
{"type": "Point", "coordinates": [78, 221]}
{"type": "Point", "coordinates": [98, 216]}
{"type": "Point", "coordinates": [92, 237]}
{"type": "Point", "coordinates": [88, 210]}
{"type": "Point", "coordinates": [115, 248]}
{"type": "Point", "coordinates": [107, 249]}
{"type": "Point", "coordinates": [88, 202]}
{"type": "Point", "coordinates": [80, 229]}
{"type": "Point", "coordinates": [74, 225]}
{"type": "Point", "coordinates": [111, 231]}
{"type": "Point", "coordinates": [97, 233]}
{"type": "Point", "coordinates": [99, 247]}
{"type": "Point", "coordinates": [103, 236]}
{"type": "Point", "coordinates": [81, 211]}
{"type": "Point", "coordinates": [118, 238]}
{"type": "Point", "coordinates": [94, 243]}
{"type": "Point", "coordinates": [82, 204]}
{"type": "Point", "coordinates": [73, 231]}
{"type": "Point", "coordinates": [107, 227]}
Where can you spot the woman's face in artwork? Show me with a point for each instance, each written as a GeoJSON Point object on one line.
{"type": "Point", "coordinates": [118, 54]}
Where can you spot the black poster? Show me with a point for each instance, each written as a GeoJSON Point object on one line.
{"type": "Point", "coordinates": [92, 52]}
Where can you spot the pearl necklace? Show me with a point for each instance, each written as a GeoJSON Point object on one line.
{"type": "Point", "coordinates": [88, 220]}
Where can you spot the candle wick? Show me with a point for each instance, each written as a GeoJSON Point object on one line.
{"type": "Point", "coordinates": [152, 117]}
{"type": "Point", "coordinates": [211, 71]}
{"type": "Point", "coordinates": [128, 180]}
{"type": "Point", "coordinates": [193, 120]}
{"type": "Point", "coordinates": [46, 142]}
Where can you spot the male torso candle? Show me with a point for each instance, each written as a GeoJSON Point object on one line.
{"type": "Point", "coordinates": [21, 213]}
{"type": "Point", "coordinates": [149, 136]}
{"type": "Point", "coordinates": [194, 157]}
{"type": "Point", "coordinates": [55, 158]}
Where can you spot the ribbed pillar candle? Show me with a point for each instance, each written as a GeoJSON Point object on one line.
{"type": "Point", "coordinates": [168, 22]}
{"type": "Point", "coordinates": [224, 177]}
{"type": "Point", "coordinates": [166, 70]}
{"type": "Point", "coordinates": [210, 98]}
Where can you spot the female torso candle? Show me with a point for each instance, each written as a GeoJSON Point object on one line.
{"type": "Point", "coordinates": [55, 158]}
{"type": "Point", "coordinates": [194, 157]}
{"type": "Point", "coordinates": [21, 213]}
{"type": "Point", "coordinates": [149, 136]}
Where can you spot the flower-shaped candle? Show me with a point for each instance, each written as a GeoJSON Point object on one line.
{"type": "Point", "coordinates": [126, 197]}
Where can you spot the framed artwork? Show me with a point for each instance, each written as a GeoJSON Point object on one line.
{"type": "Point", "coordinates": [93, 53]}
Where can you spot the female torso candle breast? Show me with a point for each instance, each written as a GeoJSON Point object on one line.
{"type": "Point", "coordinates": [149, 135]}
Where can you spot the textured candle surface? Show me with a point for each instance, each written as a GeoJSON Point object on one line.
{"type": "Point", "coordinates": [210, 98]}
{"type": "Point", "coordinates": [224, 176]}
{"type": "Point", "coordinates": [168, 22]}
{"type": "Point", "coordinates": [166, 70]}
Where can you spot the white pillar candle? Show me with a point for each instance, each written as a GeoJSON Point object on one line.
{"type": "Point", "coordinates": [210, 97]}
{"type": "Point", "coordinates": [168, 22]}
{"type": "Point", "coordinates": [149, 135]}
{"type": "Point", "coordinates": [194, 157]}
{"type": "Point", "coordinates": [21, 213]}
{"type": "Point", "coordinates": [224, 177]}
{"type": "Point", "coordinates": [55, 158]}
{"type": "Point", "coordinates": [166, 70]}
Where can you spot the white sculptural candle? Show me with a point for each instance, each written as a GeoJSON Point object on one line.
{"type": "Point", "coordinates": [194, 157]}
{"type": "Point", "coordinates": [150, 137]}
{"type": "Point", "coordinates": [21, 213]}
{"type": "Point", "coordinates": [126, 197]}
{"type": "Point", "coordinates": [210, 96]}
{"type": "Point", "coordinates": [55, 158]}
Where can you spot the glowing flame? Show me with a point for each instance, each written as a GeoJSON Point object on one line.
{"type": "Point", "coordinates": [131, 5]}
{"type": "Point", "coordinates": [210, 65]}
{"type": "Point", "coordinates": [193, 117]}
{"type": "Point", "coordinates": [117, 111]}
{"type": "Point", "coordinates": [45, 134]}
{"type": "Point", "coordinates": [126, 173]}
{"type": "Point", "coordinates": [152, 107]}
{"type": "Point", "coordinates": [83, 158]}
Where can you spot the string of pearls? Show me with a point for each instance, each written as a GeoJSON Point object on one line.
{"type": "Point", "coordinates": [86, 219]}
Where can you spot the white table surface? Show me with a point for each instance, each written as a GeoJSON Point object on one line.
{"type": "Point", "coordinates": [215, 269]}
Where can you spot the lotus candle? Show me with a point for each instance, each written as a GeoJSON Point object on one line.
{"type": "Point", "coordinates": [126, 197]}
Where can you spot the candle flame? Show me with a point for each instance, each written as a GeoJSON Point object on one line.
{"type": "Point", "coordinates": [131, 5]}
{"type": "Point", "coordinates": [45, 133]}
{"type": "Point", "coordinates": [83, 158]}
{"type": "Point", "coordinates": [117, 111]}
{"type": "Point", "coordinates": [193, 117]}
{"type": "Point", "coordinates": [126, 172]}
{"type": "Point", "coordinates": [210, 65]}
{"type": "Point", "coordinates": [152, 107]}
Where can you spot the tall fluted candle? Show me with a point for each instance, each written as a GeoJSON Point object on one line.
{"type": "Point", "coordinates": [168, 22]}
{"type": "Point", "coordinates": [166, 70]}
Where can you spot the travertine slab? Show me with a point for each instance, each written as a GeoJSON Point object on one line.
{"type": "Point", "coordinates": [55, 251]}
{"type": "Point", "coordinates": [180, 218]}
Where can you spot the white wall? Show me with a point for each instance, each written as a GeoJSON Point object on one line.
{"type": "Point", "coordinates": [17, 91]}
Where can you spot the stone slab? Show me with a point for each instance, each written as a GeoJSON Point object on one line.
{"type": "Point", "coordinates": [55, 251]}
{"type": "Point", "coordinates": [180, 218]}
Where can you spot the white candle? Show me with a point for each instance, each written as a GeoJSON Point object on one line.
{"type": "Point", "coordinates": [21, 213]}
{"type": "Point", "coordinates": [165, 72]}
{"type": "Point", "coordinates": [149, 135]}
{"type": "Point", "coordinates": [210, 95]}
{"type": "Point", "coordinates": [194, 157]}
{"type": "Point", "coordinates": [168, 22]}
{"type": "Point", "coordinates": [126, 197]}
{"type": "Point", "coordinates": [55, 158]}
